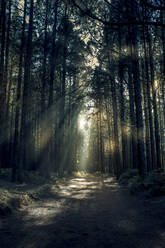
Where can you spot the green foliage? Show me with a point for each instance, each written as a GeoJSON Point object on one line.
{"type": "Point", "coordinates": [155, 183]}
{"type": "Point", "coordinates": [11, 201]}
{"type": "Point", "coordinates": [5, 173]}
{"type": "Point", "coordinates": [155, 177]}
{"type": "Point", "coordinates": [152, 185]}
{"type": "Point", "coordinates": [127, 176]}
{"type": "Point", "coordinates": [44, 190]}
{"type": "Point", "coordinates": [14, 196]}
{"type": "Point", "coordinates": [34, 177]}
{"type": "Point", "coordinates": [135, 184]}
{"type": "Point", "coordinates": [5, 209]}
{"type": "Point", "coordinates": [19, 201]}
{"type": "Point", "coordinates": [4, 196]}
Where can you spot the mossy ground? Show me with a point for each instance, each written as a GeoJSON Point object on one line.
{"type": "Point", "coordinates": [14, 196]}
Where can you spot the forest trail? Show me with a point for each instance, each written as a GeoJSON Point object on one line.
{"type": "Point", "coordinates": [87, 212]}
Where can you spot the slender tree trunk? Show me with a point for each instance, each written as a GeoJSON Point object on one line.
{"type": "Point", "coordinates": [147, 129]}
{"type": "Point", "coordinates": [63, 89]}
{"type": "Point", "coordinates": [2, 81]}
{"type": "Point", "coordinates": [43, 105]}
{"type": "Point", "coordinates": [148, 97]}
{"type": "Point", "coordinates": [132, 114]}
{"type": "Point", "coordinates": [154, 95]}
{"type": "Point", "coordinates": [162, 16]}
{"type": "Point", "coordinates": [122, 104]}
{"type": "Point", "coordinates": [17, 148]}
{"type": "Point", "coordinates": [25, 120]}
{"type": "Point", "coordinates": [101, 138]}
{"type": "Point", "coordinates": [7, 46]}
{"type": "Point", "coordinates": [110, 162]}
{"type": "Point", "coordinates": [117, 156]}
{"type": "Point", "coordinates": [53, 56]}
{"type": "Point", "coordinates": [138, 95]}
{"type": "Point", "coordinates": [50, 151]}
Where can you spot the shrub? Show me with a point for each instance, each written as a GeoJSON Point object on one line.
{"type": "Point", "coordinates": [135, 184]}
{"type": "Point", "coordinates": [155, 183]}
{"type": "Point", "coordinates": [127, 176]}
{"type": "Point", "coordinates": [5, 173]}
{"type": "Point", "coordinates": [5, 209]}
{"type": "Point", "coordinates": [152, 185]}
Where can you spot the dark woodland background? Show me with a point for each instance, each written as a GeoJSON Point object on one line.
{"type": "Point", "coordinates": [60, 60]}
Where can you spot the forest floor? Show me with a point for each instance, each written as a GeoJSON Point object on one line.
{"type": "Point", "coordinates": [87, 212]}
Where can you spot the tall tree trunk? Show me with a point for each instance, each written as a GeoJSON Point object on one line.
{"type": "Point", "coordinates": [6, 83]}
{"type": "Point", "coordinates": [116, 153]}
{"type": "Point", "coordinates": [110, 162]}
{"type": "Point", "coordinates": [3, 134]}
{"type": "Point", "coordinates": [133, 136]}
{"type": "Point", "coordinates": [162, 17]}
{"type": "Point", "coordinates": [25, 120]}
{"type": "Point", "coordinates": [43, 104]}
{"type": "Point", "coordinates": [138, 95]}
{"type": "Point", "coordinates": [17, 147]}
{"type": "Point", "coordinates": [7, 45]}
{"type": "Point", "coordinates": [50, 151]}
{"type": "Point", "coordinates": [148, 97]}
{"type": "Point", "coordinates": [63, 89]}
{"type": "Point", "coordinates": [53, 56]}
{"type": "Point", "coordinates": [147, 129]}
{"type": "Point", "coordinates": [154, 95]}
{"type": "Point", "coordinates": [122, 104]}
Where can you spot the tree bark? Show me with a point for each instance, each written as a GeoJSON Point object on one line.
{"type": "Point", "coordinates": [17, 147]}
{"type": "Point", "coordinates": [25, 120]}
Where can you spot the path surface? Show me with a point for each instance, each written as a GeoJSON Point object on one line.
{"type": "Point", "coordinates": [87, 212]}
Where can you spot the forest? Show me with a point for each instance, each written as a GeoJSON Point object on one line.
{"type": "Point", "coordinates": [82, 103]}
{"type": "Point", "coordinates": [82, 86]}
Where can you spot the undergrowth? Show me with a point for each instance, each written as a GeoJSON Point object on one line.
{"type": "Point", "coordinates": [14, 196]}
{"type": "Point", "coordinates": [153, 184]}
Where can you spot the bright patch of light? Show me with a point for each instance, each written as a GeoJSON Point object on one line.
{"type": "Point", "coordinates": [87, 38]}
{"type": "Point", "coordinates": [82, 122]}
{"type": "Point", "coordinates": [84, 125]}
{"type": "Point", "coordinates": [156, 85]}
{"type": "Point", "coordinates": [92, 61]}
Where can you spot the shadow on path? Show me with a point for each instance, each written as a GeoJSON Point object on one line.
{"type": "Point", "coordinates": [87, 212]}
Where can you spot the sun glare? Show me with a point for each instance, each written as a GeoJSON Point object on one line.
{"type": "Point", "coordinates": [82, 123]}
{"type": "Point", "coordinates": [84, 128]}
{"type": "Point", "coordinates": [156, 85]}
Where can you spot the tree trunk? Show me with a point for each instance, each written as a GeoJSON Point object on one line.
{"type": "Point", "coordinates": [148, 97]}
{"type": "Point", "coordinates": [43, 104]}
{"type": "Point", "coordinates": [17, 147]}
{"type": "Point", "coordinates": [154, 95]}
{"type": "Point", "coordinates": [138, 95]}
{"type": "Point", "coordinates": [25, 120]}
{"type": "Point", "coordinates": [53, 56]}
{"type": "Point", "coordinates": [122, 104]}
{"type": "Point", "coordinates": [2, 82]}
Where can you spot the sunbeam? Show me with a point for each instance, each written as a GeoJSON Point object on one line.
{"type": "Point", "coordinates": [82, 122]}
{"type": "Point", "coordinates": [84, 128]}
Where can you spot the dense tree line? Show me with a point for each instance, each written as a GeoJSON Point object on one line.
{"type": "Point", "coordinates": [131, 61]}
{"type": "Point", "coordinates": [59, 58]}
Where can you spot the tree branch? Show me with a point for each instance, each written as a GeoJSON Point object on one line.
{"type": "Point", "coordinates": [152, 6]}
{"type": "Point", "coordinates": [88, 13]}
{"type": "Point", "coordinates": [111, 5]}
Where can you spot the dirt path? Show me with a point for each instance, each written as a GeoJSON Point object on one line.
{"type": "Point", "coordinates": [87, 213]}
